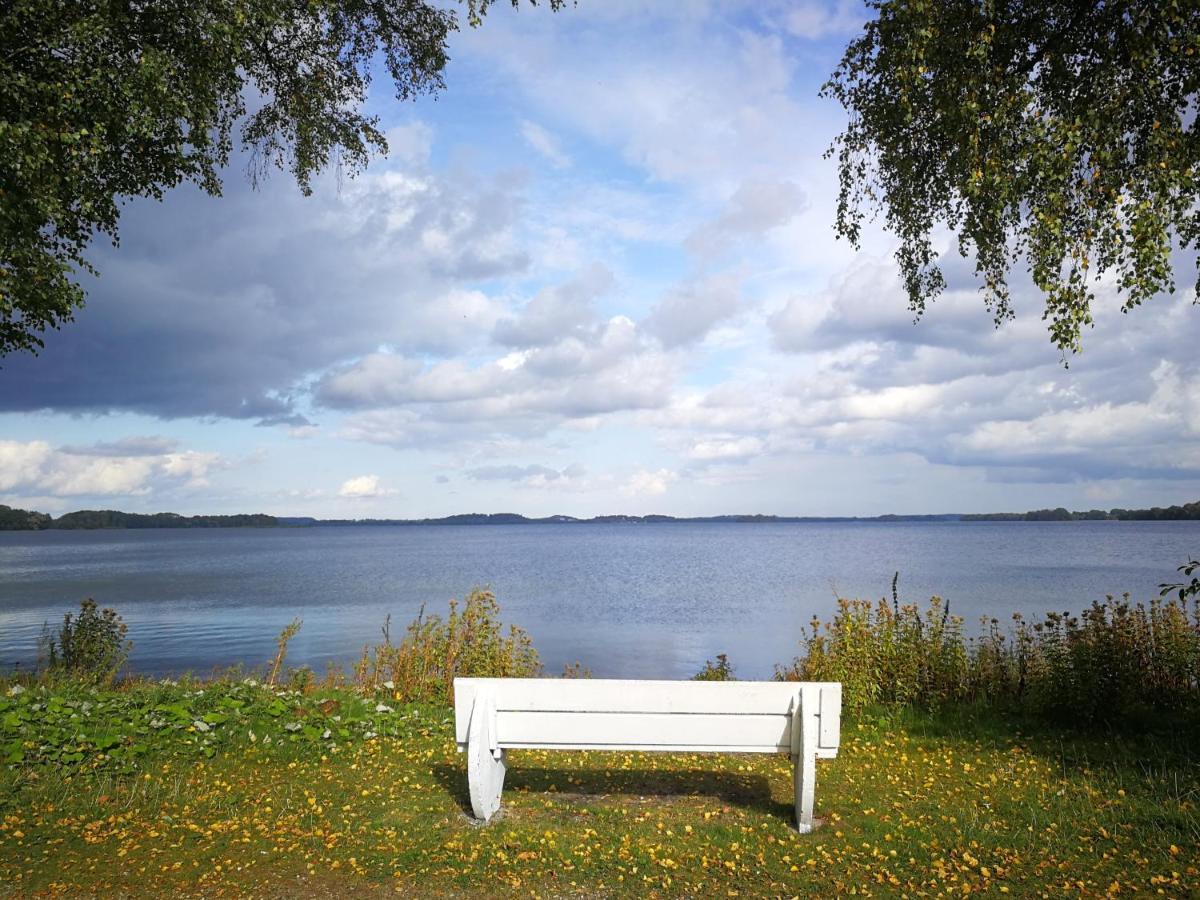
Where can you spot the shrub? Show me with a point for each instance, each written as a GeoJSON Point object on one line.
{"type": "Point", "coordinates": [1115, 661]}
{"type": "Point", "coordinates": [469, 642]}
{"type": "Point", "coordinates": [721, 670]}
{"type": "Point", "coordinates": [90, 646]}
{"type": "Point", "coordinates": [885, 653]}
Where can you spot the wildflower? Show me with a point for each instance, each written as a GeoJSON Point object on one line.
{"type": "Point", "coordinates": [16, 690]}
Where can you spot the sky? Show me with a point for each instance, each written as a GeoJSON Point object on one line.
{"type": "Point", "coordinates": [597, 274]}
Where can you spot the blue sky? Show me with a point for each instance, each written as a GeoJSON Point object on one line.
{"type": "Point", "coordinates": [598, 274]}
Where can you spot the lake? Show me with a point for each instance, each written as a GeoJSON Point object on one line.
{"type": "Point", "coordinates": [639, 601]}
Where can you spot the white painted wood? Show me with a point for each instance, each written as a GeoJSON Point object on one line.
{"type": "Point", "coordinates": [493, 715]}
{"type": "Point", "coordinates": [804, 777]}
{"type": "Point", "coordinates": [830, 732]}
{"type": "Point", "coordinates": [648, 729]}
{"type": "Point", "coordinates": [486, 763]}
{"type": "Point", "coordinates": [621, 695]}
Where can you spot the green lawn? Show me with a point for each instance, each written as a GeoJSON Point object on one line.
{"type": "Point", "coordinates": [229, 790]}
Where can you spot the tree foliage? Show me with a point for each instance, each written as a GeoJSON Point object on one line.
{"type": "Point", "coordinates": [110, 99]}
{"type": "Point", "coordinates": [1058, 134]}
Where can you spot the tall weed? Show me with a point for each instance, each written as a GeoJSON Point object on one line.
{"type": "Point", "coordinates": [469, 642]}
{"type": "Point", "coordinates": [1115, 660]}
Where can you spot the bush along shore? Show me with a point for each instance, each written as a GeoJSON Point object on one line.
{"type": "Point", "coordinates": [1048, 759]}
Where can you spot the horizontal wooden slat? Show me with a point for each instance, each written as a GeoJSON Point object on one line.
{"type": "Point", "coordinates": [644, 748]}
{"type": "Point", "coordinates": [549, 729]}
{"type": "Point", "coordinates": [622, 695]}
{"type": "Point", "coordinates": [732, 701]}
{"type": "Point", "coordinates": [822, 752]}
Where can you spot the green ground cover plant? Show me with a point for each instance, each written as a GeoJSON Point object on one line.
{"type": "Point", "coordinates": [351, 785]}
{"type": "Point", "coordinates": [244, 790]}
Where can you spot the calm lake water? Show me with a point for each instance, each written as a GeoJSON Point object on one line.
{"type": "Point", "coordinates": [625, 600]}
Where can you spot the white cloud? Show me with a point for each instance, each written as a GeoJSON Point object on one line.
{"type": "Point", "coordinates": [687, 314]}
{"type": "Point", "coordinates": [644, 483]}
{"type": "Point", "coordinates": [21, 464]}
{"type": "Point", "coordinates": [570, 477]}
{"type": "Point", "coordinates": [756, 207]}
{"type": "Point", "coordinates": [99, 470]}
{"type": "Point", "coordinates": [725, 449]}
{"type": "Point", "coordinates": [556, 313]}
{"type": "Point", "coordinates": [813, 19]}
{"type": "Point", "coordinates": [449, 303]}
{"type": "Point", "coordinates": [693, 98]}
{"type": "Point", "coordinates": [362, 488]}
{"type": "Point", "coordinates": [544, 143]}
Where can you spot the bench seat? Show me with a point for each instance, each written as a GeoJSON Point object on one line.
{"type": "Point", "coordinates": [494, 715]}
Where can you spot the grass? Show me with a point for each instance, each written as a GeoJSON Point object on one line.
{"type": "Point", "coordinates": [241, 790]}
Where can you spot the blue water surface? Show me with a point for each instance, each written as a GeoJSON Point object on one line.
{"type": "Point", "coordinates": [644, 601]}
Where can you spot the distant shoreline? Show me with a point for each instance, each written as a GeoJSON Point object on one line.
{"type": "Point", "coordinates": [92, 520]}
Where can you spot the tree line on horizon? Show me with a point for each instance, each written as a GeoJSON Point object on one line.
{"type": "Point", "coordinates": [1188, 511]}
{"type": "Point", "coordinates": [12, 519]}
{"type": "Point", "coordinates": [30, 520]}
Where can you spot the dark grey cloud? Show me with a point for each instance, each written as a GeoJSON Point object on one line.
{"type": "Point", "coordinates": [223, 307]}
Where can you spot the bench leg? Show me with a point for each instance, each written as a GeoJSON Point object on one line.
{"type": "Point", "coordinates": [486, 763]}
{"type": "Point", "coordinates": [804, 762]}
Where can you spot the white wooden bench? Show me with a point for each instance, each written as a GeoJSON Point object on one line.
{"type": "Point", "coordinates": [493, 715]}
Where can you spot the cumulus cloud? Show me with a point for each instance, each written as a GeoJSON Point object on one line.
{"type": "Point", "coordinates": [1155, 437]}
{"type": "Point", "coordinates": [223, 307]}
{"type": "Point", "coordinates": [646, 483]}
{"type": "Point", "coordinates": [725, 449]}
{"type": "Point", "coordinates": [363, 487]}
{"type": "Point", "coordinates": [563, 363]}
{"type": "Point", "coordinates": [454, 307]}
{"type": "Point", "coordinates": [35, 468]}
{"type": "Point", "coordinates": [397, 400]}
{"type": "Point", "coordinates": [756, 207]}
{"type": "Point", "coordinates": [556, 313]}
{"type": "Point", "coordinates": [687, 314]}
{"type": "Point", "coordinates": [866, 302]}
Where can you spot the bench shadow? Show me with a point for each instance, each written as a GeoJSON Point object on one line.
{"type": "Point", "coordinates": [751, 791]}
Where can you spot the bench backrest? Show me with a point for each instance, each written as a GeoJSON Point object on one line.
{"type": "Point", "coordinates": [681, 716]}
